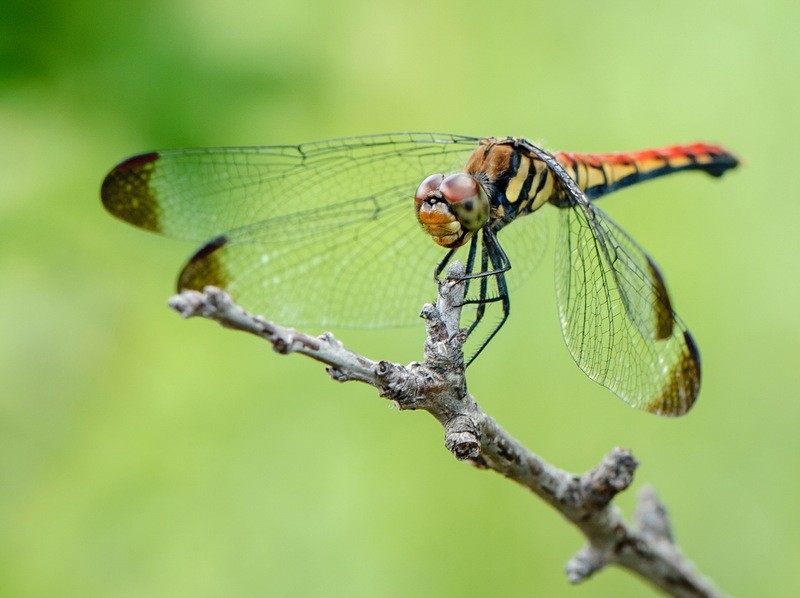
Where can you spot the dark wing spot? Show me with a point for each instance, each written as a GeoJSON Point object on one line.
{"type": "Point", "coordinates": [127, 194]}
{"type": "Point", "coordinates": [680, 394]}
{"type": "Point", "coordinates": [663, 308]}
{"type": "Point", "coordinates": [205, 267]}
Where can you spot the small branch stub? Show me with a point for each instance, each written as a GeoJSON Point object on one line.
{"type": "Point", "coordinates": [651, 516]}
{"type": "Point", "coordinates": [613, 475]}
{"type": "Point", "coordinates": [462, 438]}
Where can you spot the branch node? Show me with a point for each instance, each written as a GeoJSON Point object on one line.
{"type": "Point", "coordinates": [191, 303]}
{"type": "Point", "coordinates": [328, 337]}
{"type": "Point", "coordinates": [610, 477]}
{"type": "Point", "coordinates": [462, 437]}
{"type": "Point", "coordinates": [445, 338]}
{"type": "Point", "coordinates": [337, 374]}
{"type": "Point", "coordinates": [428, 312]}
{"type": "Point", "coordinates": [398, 383]}
{"type": "Point", "coordinates": [651, 516]}
{"type": "Point", "coordinates": [585, 563]}
{"type": "Point", "coordinates": [284, 346]}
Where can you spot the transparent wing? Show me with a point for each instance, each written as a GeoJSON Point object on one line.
{"type": "Point", "coordinates": [353, 267]}
{"type": "Point", "coordinates": [616, 315]}
{"type": "Point", "coordinates": [321, 233]}
{"type": "Point", "coordinates": [525, 241]}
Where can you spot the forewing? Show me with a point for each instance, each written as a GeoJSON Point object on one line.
{"type": "Point", "coordinates": [318, 233]}
{"type": "Point", "coordinates": [616, 315]}
{"type": "Point", "coordinates": [196, 194]}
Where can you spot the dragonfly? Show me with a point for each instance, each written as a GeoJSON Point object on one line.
{"type": "Point", "coordinates": [333, 233]}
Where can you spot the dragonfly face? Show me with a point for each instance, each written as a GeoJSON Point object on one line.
{"type": "Point", "coordinates": [451, 209]}
{"type": "Point", "coordinates": [322, 233]}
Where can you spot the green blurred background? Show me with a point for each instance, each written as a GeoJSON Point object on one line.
{"type": "Point", "coordinates": [142, 455]}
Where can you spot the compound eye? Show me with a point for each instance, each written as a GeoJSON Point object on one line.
{"type": "Point", "coordinates": [461, 189]}
{"type": "Point", "coordinates": [428, 186]}
{"type": "Point", "coordinates": [467, 199]}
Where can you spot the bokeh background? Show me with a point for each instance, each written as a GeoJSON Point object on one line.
{"type": "Point", "coordinates": [143, 455]}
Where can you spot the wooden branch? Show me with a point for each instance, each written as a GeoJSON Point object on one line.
{"type": "Point", "coordinates": [438, 386]}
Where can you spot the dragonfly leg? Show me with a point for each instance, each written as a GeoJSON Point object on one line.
{"type": "Point", "coordinates": [500, 265]}
{"type": "Point", "coordinates": [483, 296]}
{"type": "Point", "coordinates": [437, 273]}
{"type": "Point", "coordinates": [492, 287]}
{"type": "Point", "coordinates": [469, 266]}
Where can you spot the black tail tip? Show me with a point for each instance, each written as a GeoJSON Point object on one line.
{"type": "Point", "coordinates": [722, 164]}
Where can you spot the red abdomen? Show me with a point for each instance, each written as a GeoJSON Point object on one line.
{"type": "Point", "coordinates": [598, 174]}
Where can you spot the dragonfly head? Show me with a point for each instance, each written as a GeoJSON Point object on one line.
{"type": "Point", "coordinates": [451, 209]}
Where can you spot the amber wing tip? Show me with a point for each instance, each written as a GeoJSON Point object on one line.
{"type": "Point", "coordinates": [680, 394]}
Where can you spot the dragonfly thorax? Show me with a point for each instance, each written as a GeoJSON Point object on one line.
{"type": "Point", "coordinates": [451, 208]}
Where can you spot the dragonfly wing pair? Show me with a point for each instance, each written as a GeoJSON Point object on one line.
{"type": "Point", "coordinates": [321, 233]}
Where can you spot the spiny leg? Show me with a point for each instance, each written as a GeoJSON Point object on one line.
{"type": "Point", "coordinates": [437, 273]}
{"type": "Point", "coordinates": [500, 264]}
{"type": "Point", "coordinates": [493, 264]}
{"type": "Point", "coordinates": [483, 298]}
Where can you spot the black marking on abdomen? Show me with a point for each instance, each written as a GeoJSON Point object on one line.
{"type": "Point", "coordinates": [524, 193]}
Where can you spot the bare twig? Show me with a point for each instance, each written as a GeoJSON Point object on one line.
{"type": "Point", "coordinates": [438, 386]}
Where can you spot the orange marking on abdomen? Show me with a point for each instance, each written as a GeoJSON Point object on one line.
{"type": "Point", "coordinates": [598, 174]}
